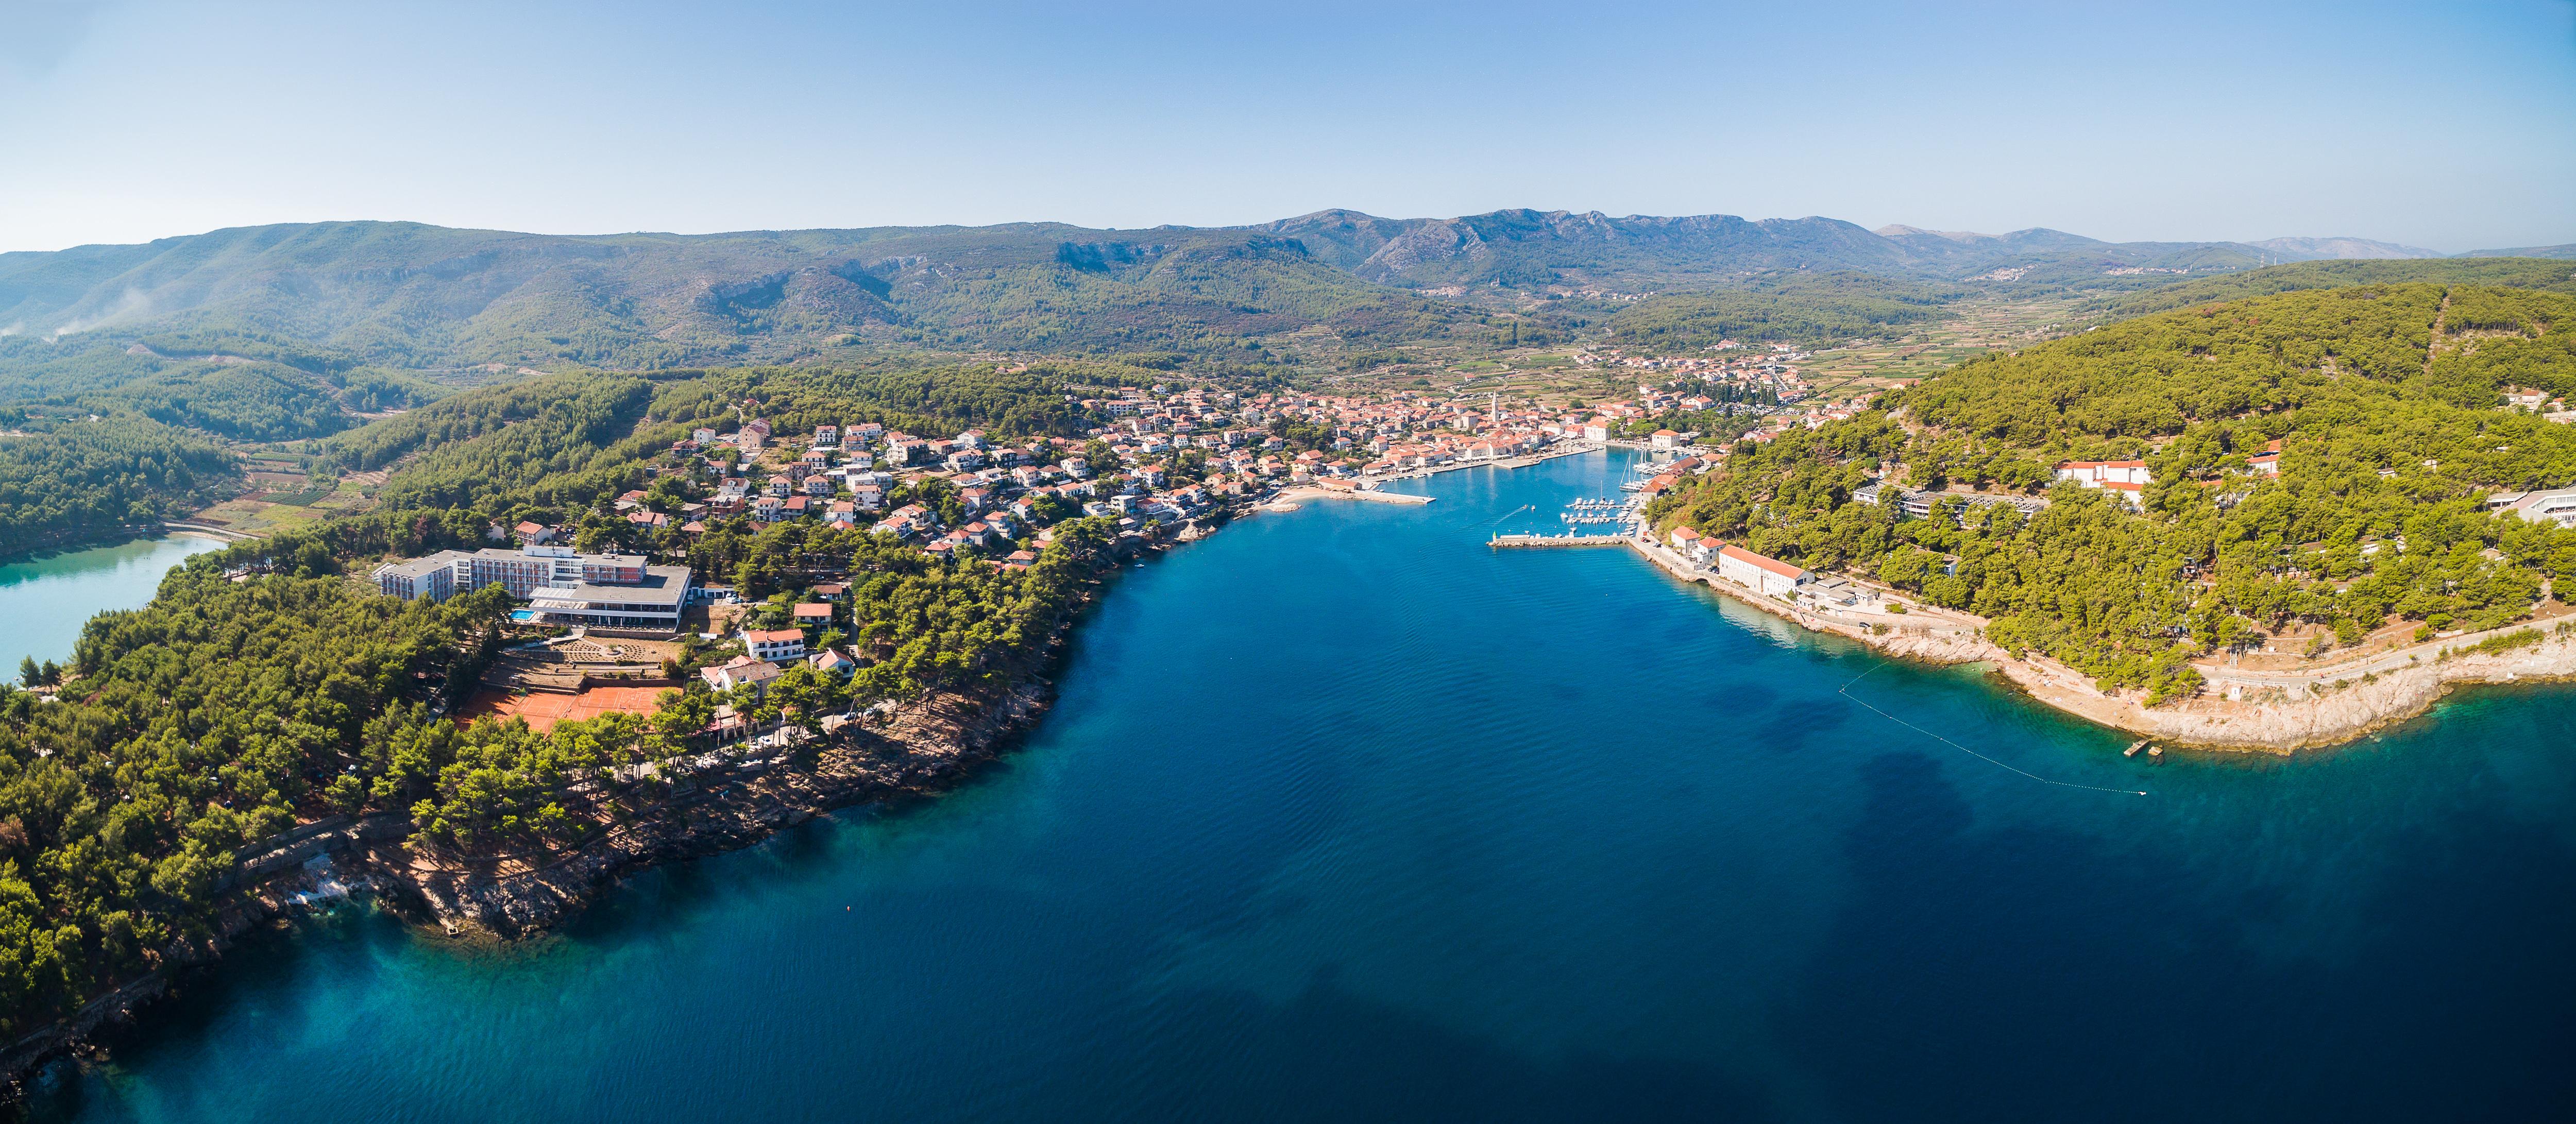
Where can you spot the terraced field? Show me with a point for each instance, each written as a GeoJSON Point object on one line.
{"type": "Point", "coordinates": [1981, 326]}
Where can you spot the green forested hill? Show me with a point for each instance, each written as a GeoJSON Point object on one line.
{"type": "Point", "coordinates": [2386, 399]}
{"type": "Point", "coordinates": [261, 687]}
{"type": "Point", "coordinates": [552, 444]}
{"type": "Point", "coordinates": [205, 721]}
{"type": "Point", "coordinates": [2522, 273]}
{"type": "Point", "coordinates": [111, 435]}
{"type": "Point", "coordinates": [1800, 307]}
{"type": "Point", "coordinates": [66, 479]}
{"type": "Point", "coordinates": [233, 388]}
{"type": "Point", "coordinates": [2567, 250]}
{"type": "Point", "coordinates": [1526, 248]}
{"type": "Point", "coordinates": [414, 296]}
{"type": "Point", "coordinates": [1531, 248]}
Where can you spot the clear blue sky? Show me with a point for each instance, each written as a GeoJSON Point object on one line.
{"type": "Point", "coordinates": [2451, 126]}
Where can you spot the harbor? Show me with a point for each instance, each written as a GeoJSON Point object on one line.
{"type": "Point", "coordinates": [1593, 511]}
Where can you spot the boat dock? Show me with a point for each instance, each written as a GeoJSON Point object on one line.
{"type": "Point", "coordinates": [1567, 539]}
{"type": "Point", "coordinates": [1601, 510]}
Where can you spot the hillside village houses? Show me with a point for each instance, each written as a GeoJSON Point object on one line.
{"type": "Point", "coordinates": [1157, 456]}
{"type": "Point", "coordinates": [2126, 479]}
{"type": "Point", "coordinates": [1749, 373]}
{"type": "Point", "coordinates": [741, 671]}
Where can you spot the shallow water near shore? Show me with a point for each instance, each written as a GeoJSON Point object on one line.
{"type": "Point", "coordinates": [45, 600]}
{"type": "Point", "coordinates": [1342, 814]}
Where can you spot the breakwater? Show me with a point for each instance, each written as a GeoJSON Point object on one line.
{"type": "Point", "coordinates": [1566, 539]}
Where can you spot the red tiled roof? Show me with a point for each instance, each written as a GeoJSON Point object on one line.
{"type": "Point", "coordinates": [1772, 564]}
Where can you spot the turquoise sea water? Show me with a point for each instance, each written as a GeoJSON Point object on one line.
{"type": "Point", "coordinates": [1343, 815]}
{"type": "Point", "coordinates": [45, 601]}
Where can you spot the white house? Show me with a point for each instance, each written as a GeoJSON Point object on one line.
{"type": "Point", "coordinates": [2094, 474]}
{"type": "Point", "coordinates": [2125, 479]}
{"type": "Point", "coordinates": [776, 645]}
{"type": "Point", "coordinates": [739, 671]}
{"type": "Point", "coordinates": [1758, 573]}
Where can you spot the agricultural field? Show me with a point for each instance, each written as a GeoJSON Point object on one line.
{"type": "Point", "coordinates": [282, 496]}
{"type": "Point", "coordinates": [1981, 325]}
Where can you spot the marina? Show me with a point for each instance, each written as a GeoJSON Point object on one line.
{"type": "Point", "coordinates": [1592, 511]}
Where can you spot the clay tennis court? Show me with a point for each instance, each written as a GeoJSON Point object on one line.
{"type": "Point", "coordinates": [543, 709]}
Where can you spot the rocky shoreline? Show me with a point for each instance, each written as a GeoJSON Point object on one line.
{"type": "Point", "coordinates": [928, 749]}
{"type": "Point", "coordinates": [925, 749]}
{"type": "Point", "coordinates": [2329, 709]}
{"type": "Point", "coordinates": [2331, 705]}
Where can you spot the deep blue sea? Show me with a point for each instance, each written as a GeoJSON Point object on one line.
{"type": "Point", "coordinates": [1343, 815]}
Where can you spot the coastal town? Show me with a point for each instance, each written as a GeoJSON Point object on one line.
{"type": "Point", "coordinates": [814, 562]}
{"type": "Point", "coordinates": [1162, 465]}
{"type": "Point", "coordinates": [1159, 465]}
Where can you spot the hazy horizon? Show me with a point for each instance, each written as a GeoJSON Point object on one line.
{"type": "Point", "coordinates": [1226, 226]}
{"type": "Point", "coordinates": [2421, 126]}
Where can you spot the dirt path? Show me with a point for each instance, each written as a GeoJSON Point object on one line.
{"type": "Point", "coordinates": [2433, 346]}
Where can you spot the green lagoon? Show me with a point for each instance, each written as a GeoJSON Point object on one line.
{"type": "Point", "coordinates": [45, 600]}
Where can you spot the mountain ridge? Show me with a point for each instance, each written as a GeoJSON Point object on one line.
{"type": "Point", "coordinates": [2342, 247]}
{"type": "Point", "coordinates": [418, 296]}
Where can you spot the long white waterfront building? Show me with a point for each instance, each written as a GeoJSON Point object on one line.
{"type": "Point", "coordinates": [561, 585]}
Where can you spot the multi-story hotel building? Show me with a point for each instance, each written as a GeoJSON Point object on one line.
{"type": "Point", "coordinates": [561, 586]}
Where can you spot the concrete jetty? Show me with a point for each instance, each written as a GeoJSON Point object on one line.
{"type": "Point", "coordinates": [1568, 539]}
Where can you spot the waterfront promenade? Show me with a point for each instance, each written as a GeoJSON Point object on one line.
{"type": "Point", "coordinates": [1561, 449]}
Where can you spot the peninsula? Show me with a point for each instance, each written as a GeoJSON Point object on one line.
{"type": "Point", "coordinates": [2261, 522]}
{"type": "Point", "coordinates": [587, 623]}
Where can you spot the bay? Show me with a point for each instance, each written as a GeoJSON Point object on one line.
{"type": "Point", "coordinates": [1342, 814]}
{"type": "Point", "coordinates": [44, 601]}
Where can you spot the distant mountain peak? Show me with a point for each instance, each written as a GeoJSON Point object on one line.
{"type": "Point", "coordinates": [1900, 230]}
{"type": "Point", "coordinates": [2342, 246]}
